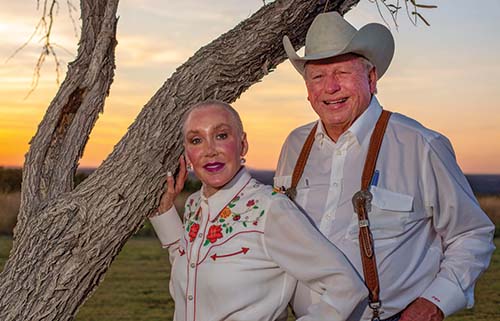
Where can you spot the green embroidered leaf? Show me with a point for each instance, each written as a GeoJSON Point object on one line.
{"type": "Point", "coordinates": [227, 230]}
{"type": "Point", "coordinates": [261, 213]}
{"type": "Point", "coordinates": [255, 207]}
{"type": "Point", "coordinates": [224, 225]}
{"type": "Point", "coordinates": [222, 220]}
{"type": "Point", "coordinates": [245, 224]}
{"type": "Point", "coordinates": [230, 229]}
{"type": "Point", "coordinates": [230, 205]}
{"type": "Point", "coordinates": [274, 193]}
{"type": "Point", "coordinates": [206, 243]}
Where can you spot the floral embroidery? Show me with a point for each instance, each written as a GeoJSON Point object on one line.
{"type": "Point", "coordinates": [226, 212]}
{"type": "Point", "coordinates": [231, 218]}
{"type": "Point", "coordinates": [214, 233]}
{"type": "Point", "coordinates": [193, 230]}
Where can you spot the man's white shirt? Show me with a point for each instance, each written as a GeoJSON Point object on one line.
{"type": "Point", "coordinates": [432, 240]}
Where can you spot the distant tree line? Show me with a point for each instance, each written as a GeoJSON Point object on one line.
{"type": "Point", "coordinates": [11, 178]}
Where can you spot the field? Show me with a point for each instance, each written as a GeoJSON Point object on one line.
{"type": "Point", "coordinates": [136, 286]}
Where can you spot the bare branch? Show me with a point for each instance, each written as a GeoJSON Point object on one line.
{"type": "Point", "coordinates": [411, 8]}
{"type": "Point", "coordinates": [50, 9]}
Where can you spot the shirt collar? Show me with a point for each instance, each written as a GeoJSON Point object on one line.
{"type": "Point", "coordinates": [222, 197]}
{"type": "Point", "coordinates": [364, 125]}
{"type": "Point", "coordinates": [361, 127]}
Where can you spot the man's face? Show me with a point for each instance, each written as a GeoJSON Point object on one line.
{"type": "Point", "coordinates": [339, 90]}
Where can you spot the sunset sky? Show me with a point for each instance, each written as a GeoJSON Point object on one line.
{"type": "Point", "coordinates": [446, 76]}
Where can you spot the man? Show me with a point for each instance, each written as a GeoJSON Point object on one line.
{"type": "Point", "coordinates": [431, 239]}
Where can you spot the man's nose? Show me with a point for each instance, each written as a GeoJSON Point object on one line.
{"type": "Point", "coordinates": [332, 84]}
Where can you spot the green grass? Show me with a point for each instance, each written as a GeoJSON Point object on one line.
{"type": "Point", "coordinates": [136, 287]}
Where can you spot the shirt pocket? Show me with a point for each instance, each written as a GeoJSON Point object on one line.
{"type": "Point", "coordinates": [389, 216]}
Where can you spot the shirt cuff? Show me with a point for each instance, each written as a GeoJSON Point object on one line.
{"type": "Point", "coordinates": [446, 295]}
{"type": "Point", "coordinates": [168, 227]}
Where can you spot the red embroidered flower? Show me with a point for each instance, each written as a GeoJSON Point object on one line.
{"type": "Point", "coordinates": [214, 233]}
{"type": "Point", "coordinates": [236, 217]}
{"type": "Point", "coordinates": [250, 203]}
{"type": "Point", "coordinates": [255, 223]}
{"type": "Point", "coordinates": [193, 230]}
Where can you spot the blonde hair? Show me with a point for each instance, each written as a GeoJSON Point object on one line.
{"type": "Point", "coordinates": [217, 103]}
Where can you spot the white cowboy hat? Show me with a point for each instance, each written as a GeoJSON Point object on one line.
{"type": "Point", "coordinates": [331, 35]}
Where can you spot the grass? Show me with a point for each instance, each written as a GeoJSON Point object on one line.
{"type": "Point", "coordinates": [136, 287]}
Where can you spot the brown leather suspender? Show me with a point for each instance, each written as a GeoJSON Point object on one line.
{"type": "Point", "coordinates": [362, 205]}
{"type": "Point", "coordinates": [301, 163]}
{"type": "Point", "coordinates": [361, 202]}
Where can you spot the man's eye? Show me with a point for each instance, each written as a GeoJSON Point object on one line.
{"type": "Point", "coordinates": [221, 136]}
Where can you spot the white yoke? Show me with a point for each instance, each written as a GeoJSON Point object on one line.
{"type": "Point", "coordinates": [240, 252]}
{"type": "Point", "coordinates": [431, 238]}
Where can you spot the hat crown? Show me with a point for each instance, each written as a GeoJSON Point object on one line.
{"type": "Point", "coordinates": [328, 32]}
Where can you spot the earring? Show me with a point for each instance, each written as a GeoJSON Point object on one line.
{"type": "Point", "coordinates": [243, 160]}
{"type": "Point", "coordinates": [189, 167]}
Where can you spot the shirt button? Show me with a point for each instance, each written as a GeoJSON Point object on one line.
{"type": "Point", "coordinates": [193, 265]}
{"type": "Point", "coordinates": [200, 235]}
{"type": "Point", "coordinates": [190, 297]}
{"type": "Point", "coordinates": [335, 184]}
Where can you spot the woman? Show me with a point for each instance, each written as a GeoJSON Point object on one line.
{"type": "Point", "coordinates": [243, 246]}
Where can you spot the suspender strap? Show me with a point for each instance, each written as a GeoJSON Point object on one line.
{"type": "Point", "coordinates": [361, 202]}
{"type": "Point", "coordinates": [362, 205]}
{"type": "Point", "coordinates": [301, 163]}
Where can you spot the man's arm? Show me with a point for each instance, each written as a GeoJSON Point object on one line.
{"type": "Point", "coordinates": [465, 230]}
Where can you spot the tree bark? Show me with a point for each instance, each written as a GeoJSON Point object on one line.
{"type": "Point", "coordinates": [66, 239]}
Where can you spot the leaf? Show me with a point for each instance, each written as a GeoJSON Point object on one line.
{"type": "Point", "coordinates": [421, 17]}
{"type": "Point", "coordinates": [230, 229]}
{"type": "Point", "coordinates": [221, 220]}
{"type": "Point", "coordinates": [261, 213]}
{"type": "Point", "coordinates": [255, 207]}
{"type": "Point", "coordinates": [245, 224]}
{"type": "Point", "coordinates": [206, 243]}
{"type": "Point", "coordinates": [231, 205]}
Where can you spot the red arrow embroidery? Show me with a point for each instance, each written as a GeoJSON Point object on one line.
{"type": "Point", "coordinates": [181, 251]}
{"type": "Point", "coordinates": [244, 250]}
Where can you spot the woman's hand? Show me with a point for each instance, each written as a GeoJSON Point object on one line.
{"type": "Point", "coordinates": [174, 187]}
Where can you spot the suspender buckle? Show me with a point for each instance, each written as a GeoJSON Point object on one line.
{"type": "Point", "coordinates": [375, 306]}
{"type": "Point", "coordinates": [363, 199]}
{"type": "Point", "coordinates": [291, 192]}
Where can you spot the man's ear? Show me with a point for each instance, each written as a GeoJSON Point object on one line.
{"type": "Point", "coordinates": [372, 80]}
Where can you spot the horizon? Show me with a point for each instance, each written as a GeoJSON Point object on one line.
{"type": "Point", "coordinates": [449, 88]}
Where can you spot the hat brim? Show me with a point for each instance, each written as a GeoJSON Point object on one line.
{"type": "Point", "coordinates": [373, 41]}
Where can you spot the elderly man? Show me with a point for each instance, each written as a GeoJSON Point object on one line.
{"type": "Point", "coordinates": [413, 205]}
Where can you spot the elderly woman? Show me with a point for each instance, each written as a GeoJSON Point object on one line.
{"type": "Point", "coordinates": [242, 246]}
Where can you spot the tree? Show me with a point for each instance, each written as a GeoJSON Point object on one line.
{"type": "Point", "coordinates": [66, 237]}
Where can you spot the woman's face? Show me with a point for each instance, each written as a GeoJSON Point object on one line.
{"type": "Point", "coordinates": [214, 145]}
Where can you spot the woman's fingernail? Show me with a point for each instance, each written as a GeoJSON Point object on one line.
{"type": "Point", "coordinates": [169, 173]}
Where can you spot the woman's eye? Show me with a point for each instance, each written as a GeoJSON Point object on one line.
{"type": "Point", "coordinates": [195, 141]}
{"type": "Point", "coordinates": [221, 136]}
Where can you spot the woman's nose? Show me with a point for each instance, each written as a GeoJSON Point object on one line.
{"type": "Point", "coordinates": [210, 148]}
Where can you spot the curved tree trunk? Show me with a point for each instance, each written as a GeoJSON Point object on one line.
{"type": "Point", "coordinates": [66, 239]}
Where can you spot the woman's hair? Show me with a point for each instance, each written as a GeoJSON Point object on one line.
{"type": "Point", "coordinates": [217, 103]}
